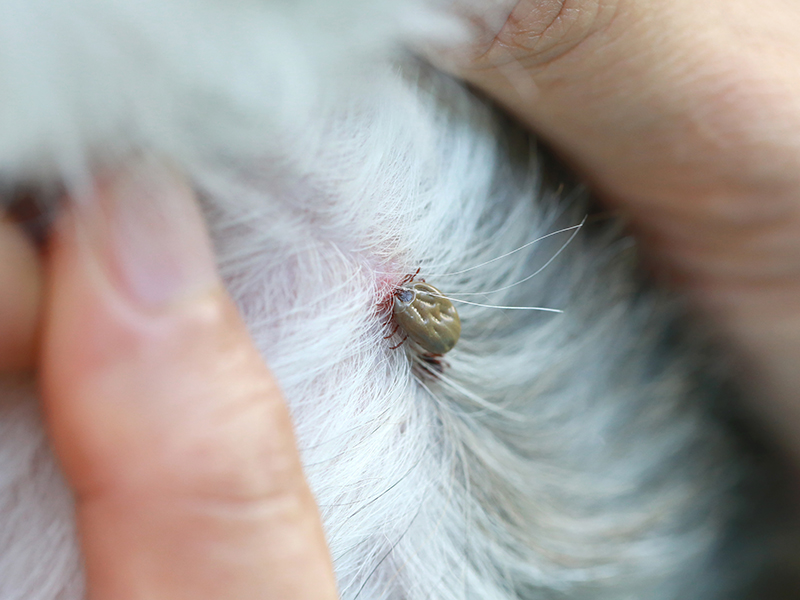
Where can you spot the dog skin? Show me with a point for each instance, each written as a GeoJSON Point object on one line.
{"type": "Point", "coordinates": [549, 455]}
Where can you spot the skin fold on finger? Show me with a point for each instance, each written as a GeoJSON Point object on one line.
{"type": "Point", "coordinates": [686, 115]}
{"type": "Point", "coordinates": [172, 432]}
{"type": "Point", "coordinates": [20, 299]}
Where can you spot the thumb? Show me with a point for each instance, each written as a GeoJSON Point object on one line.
{"type": "Point", "coordinates": [663, 105]}
{"type": "Point", "coordinates": [172, 432]}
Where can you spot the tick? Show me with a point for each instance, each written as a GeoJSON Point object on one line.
{"type": "Point", "coordinates": [425, 316]}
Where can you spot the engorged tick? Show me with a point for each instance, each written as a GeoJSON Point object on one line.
{"type": "Point", "coordinates": [426, 316]}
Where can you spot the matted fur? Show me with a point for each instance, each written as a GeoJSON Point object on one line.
{"type": "Point", "coordinates": [555, 456]}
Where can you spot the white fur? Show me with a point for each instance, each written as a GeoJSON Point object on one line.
{"type": "Point", "coordinates": [559, 456]}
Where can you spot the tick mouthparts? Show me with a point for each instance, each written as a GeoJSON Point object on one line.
{"type": "Point", "coordinates": [405, 295]}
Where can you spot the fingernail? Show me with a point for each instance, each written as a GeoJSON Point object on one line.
{"type": "Point", "coordinates": [147, 231]}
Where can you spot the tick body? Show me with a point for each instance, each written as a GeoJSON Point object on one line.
{"type": "Point", "coordinates": [428, 318]}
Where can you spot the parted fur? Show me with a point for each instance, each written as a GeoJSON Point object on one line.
{"type": "Point", "coordinates": [548, 456]}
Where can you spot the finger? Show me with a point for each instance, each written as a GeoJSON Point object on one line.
{"type": "Point", "coordinates": [172, 432]}
{"type": "Point", "coordinates": [646, 96]}
{"type": "Point", "coordinates": [20, 294]}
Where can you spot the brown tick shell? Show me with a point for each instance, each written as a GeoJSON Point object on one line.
{"type": "Point", "coordinates": [429, 319]}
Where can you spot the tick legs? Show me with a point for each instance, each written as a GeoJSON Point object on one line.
{"type": "Point", "coordinates": [398, 345]}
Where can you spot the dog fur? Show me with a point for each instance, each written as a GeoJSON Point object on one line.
{"type": "Point", "coordinates": [549, 456]}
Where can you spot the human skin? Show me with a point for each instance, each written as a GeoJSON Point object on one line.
{"type": "Point", "coordinates": [684, 114]}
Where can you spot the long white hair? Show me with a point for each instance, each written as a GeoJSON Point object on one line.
{"type": "Point", "coordinates": [549, 455]}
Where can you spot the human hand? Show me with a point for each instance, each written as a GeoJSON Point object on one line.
{"type": "Point", "coordinates": [172, 433]}
{"type": "Point", "coordinates": [687, 116]}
